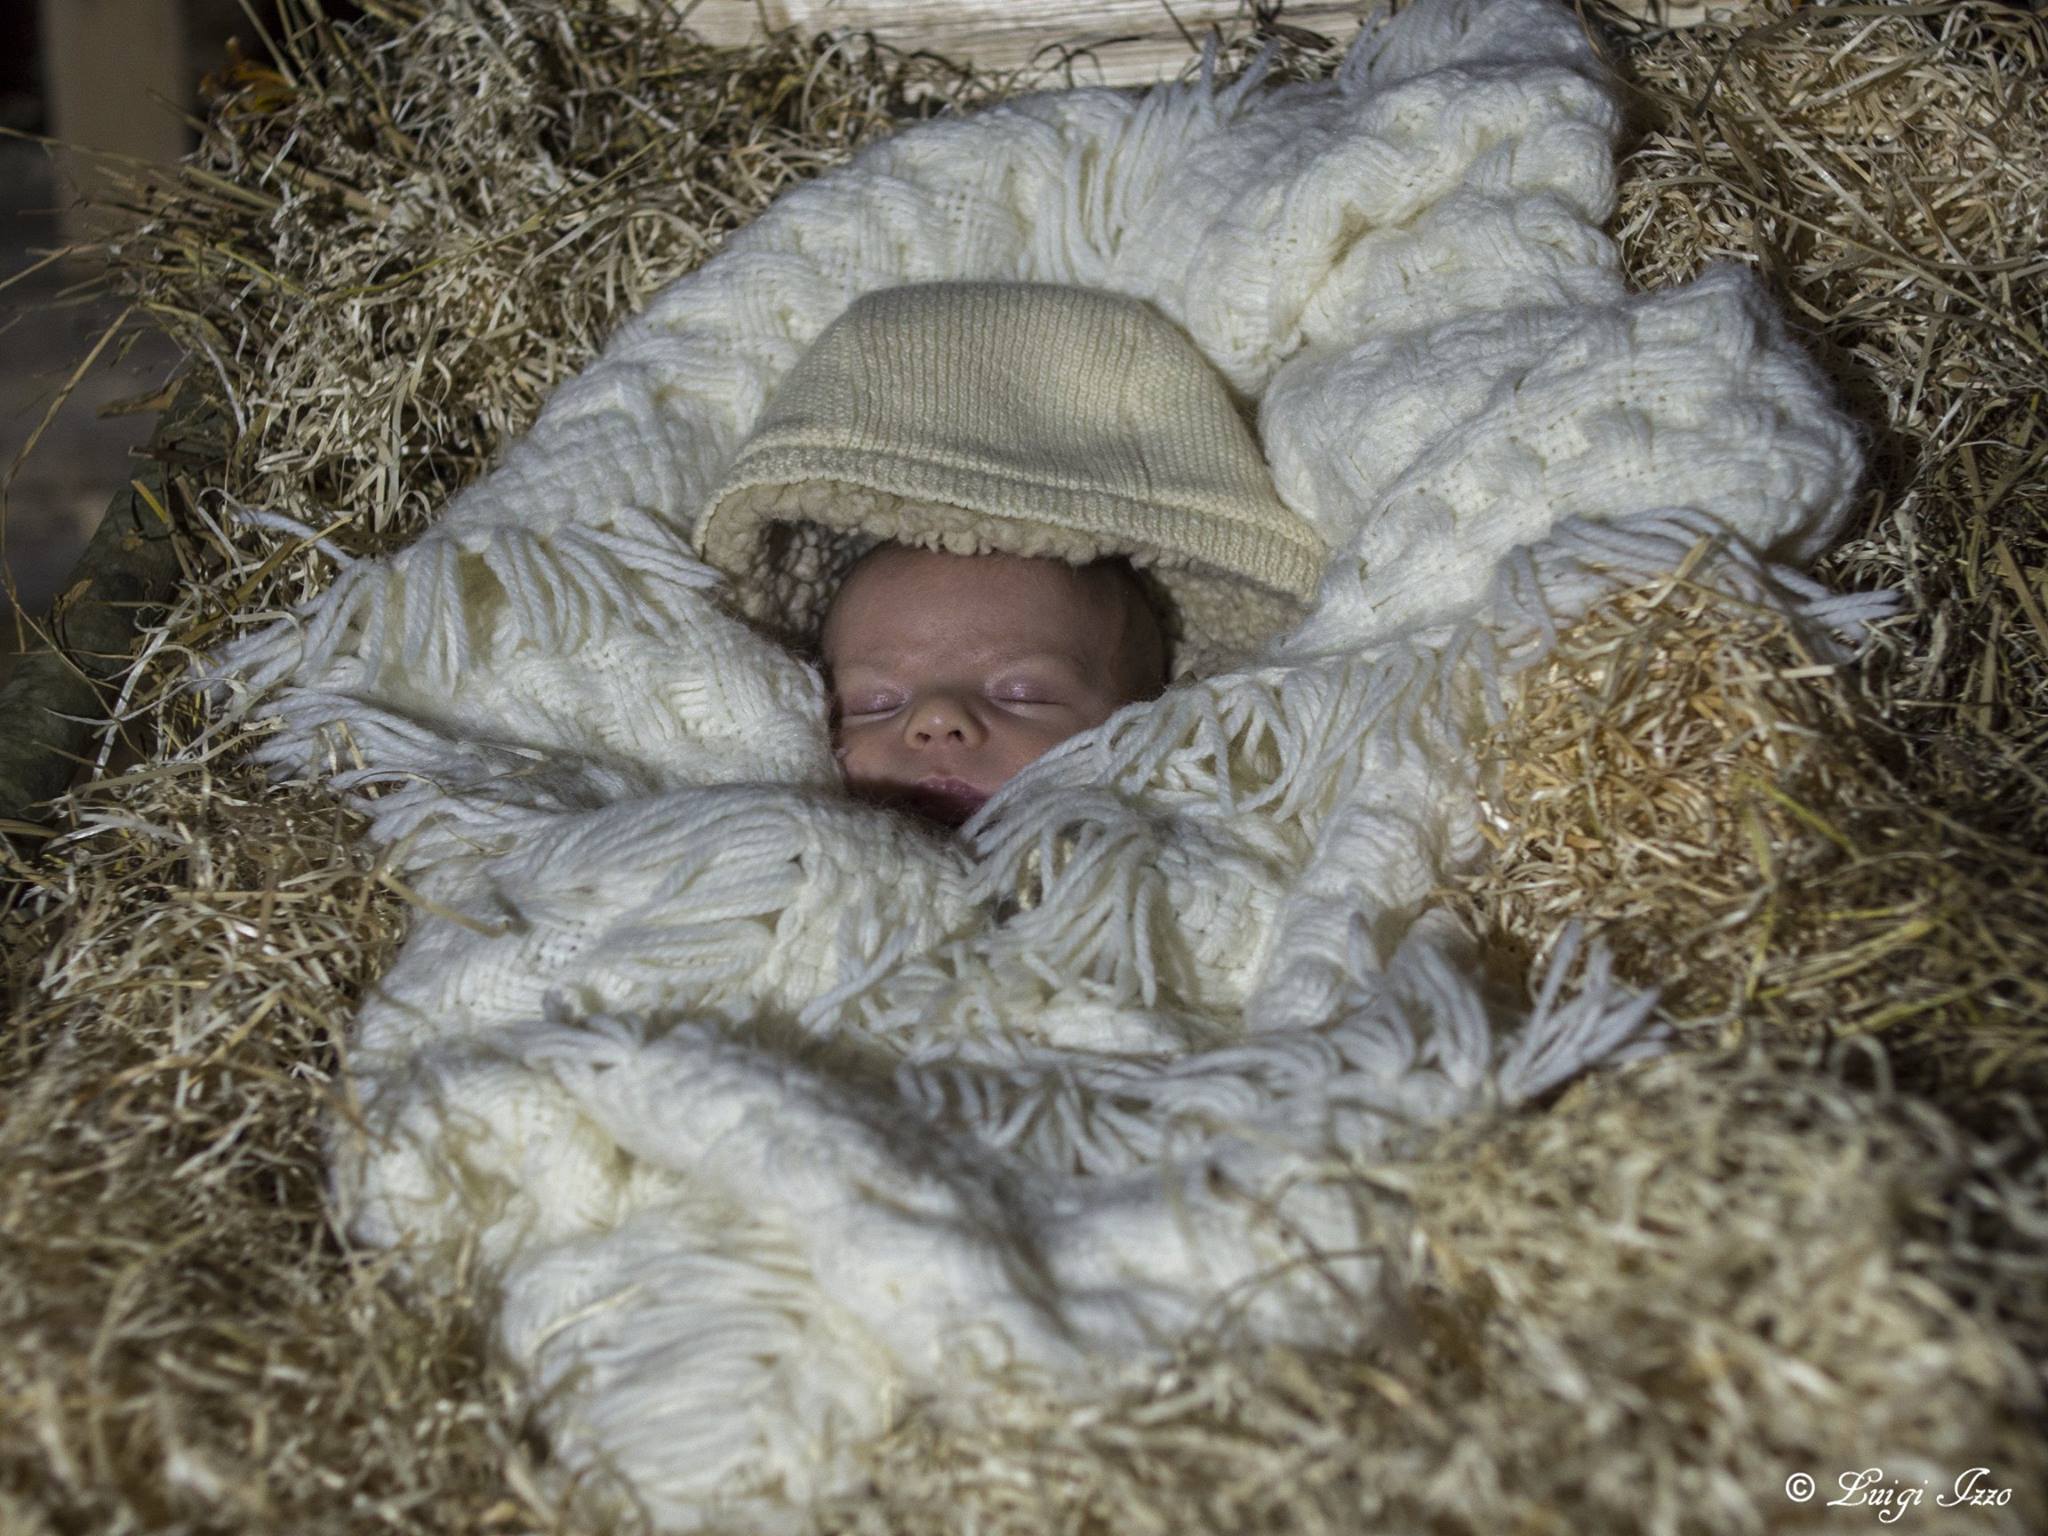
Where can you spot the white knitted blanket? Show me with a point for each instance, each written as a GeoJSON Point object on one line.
{"type": "Point", "coordinates": [767, 1111]}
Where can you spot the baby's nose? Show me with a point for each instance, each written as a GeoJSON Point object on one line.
{"type": "Point", "coordinates": [940, 719]}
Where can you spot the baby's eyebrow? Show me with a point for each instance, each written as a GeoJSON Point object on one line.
{"type": "Point", "coordinates": [1022, 658]}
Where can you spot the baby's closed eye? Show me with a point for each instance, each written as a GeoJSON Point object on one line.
{"type": "Point", "coordinates": [877, 706]}
{"type": "Point", "coordinates": [1024, 693]}
{"type": "Point", "coordinates": [864, 702]}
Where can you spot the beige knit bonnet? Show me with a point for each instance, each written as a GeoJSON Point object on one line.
{"type": "Point", "coordinates": [1013, 418]}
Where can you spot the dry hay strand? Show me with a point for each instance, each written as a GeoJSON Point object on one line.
{"type": "Point", "coordinates": [1644, 1309]}
{"type": "Point", "coordinates": [1791, 851]}
{"type": "Point", "coordinates": [394, 241]}
{"type": "Point", "coordinates": [1720, 808]}
{"type": "Point", "coordinates": [1879, 165]}
{"type": "Point", "coordinates": [188, 1343]}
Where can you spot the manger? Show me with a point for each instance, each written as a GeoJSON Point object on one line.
{"type": "Point", "coordinates": [402, 1059]}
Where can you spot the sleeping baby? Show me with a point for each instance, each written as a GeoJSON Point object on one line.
{"type": "Point", "coordinates": [998, 513]}
{"type": "Point", "coordinates": [949, 673]}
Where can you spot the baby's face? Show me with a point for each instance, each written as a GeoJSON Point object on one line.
{"type": "Point", "coordinates": [949, 673]}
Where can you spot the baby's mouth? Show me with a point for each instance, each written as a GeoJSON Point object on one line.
{"type": "Point", "coordinates": [946, 800]}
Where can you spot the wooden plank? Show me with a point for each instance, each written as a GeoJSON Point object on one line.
{"type": "Point", "coordinates": [116, 77]}
{"type": "Point", "coordinates": [1113, 42]}
{"type": "Point", "coordinates": [1682, 13]}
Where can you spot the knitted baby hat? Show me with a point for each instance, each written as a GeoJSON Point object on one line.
{"type": "Point", "coordinates": [1013, 418]}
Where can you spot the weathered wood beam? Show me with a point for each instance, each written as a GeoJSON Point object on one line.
{"type": "Point", "coordinates": [116, 75]}
{"type": "Point", "coordinates": [1114, 42]}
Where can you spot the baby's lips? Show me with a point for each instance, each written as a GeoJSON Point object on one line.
{"type": "Point", "coordinates": [946, 800]}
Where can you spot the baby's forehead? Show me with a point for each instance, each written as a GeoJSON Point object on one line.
{"type": "Point", "coordinates": [899, 640]}
{"type": "Point", "coordinates": [972, 668]}
{"type": "Point", "coordinates": [897, 594]}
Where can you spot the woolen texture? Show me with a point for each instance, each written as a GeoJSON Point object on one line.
{"type": "Point", "coordinates": [1062, 421]}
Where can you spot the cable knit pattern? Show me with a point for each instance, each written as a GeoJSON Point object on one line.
{"type": "Point", "coordinates": [766, 1110]}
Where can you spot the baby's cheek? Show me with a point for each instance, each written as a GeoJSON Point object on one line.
{"type": "Point", "coordinates": [1024, 745]}
{"type": "Point", "coordinates": [862, 759]}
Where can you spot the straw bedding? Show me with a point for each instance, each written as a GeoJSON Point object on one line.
{"type": "Point", "coordinates": [1642, 1306]}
